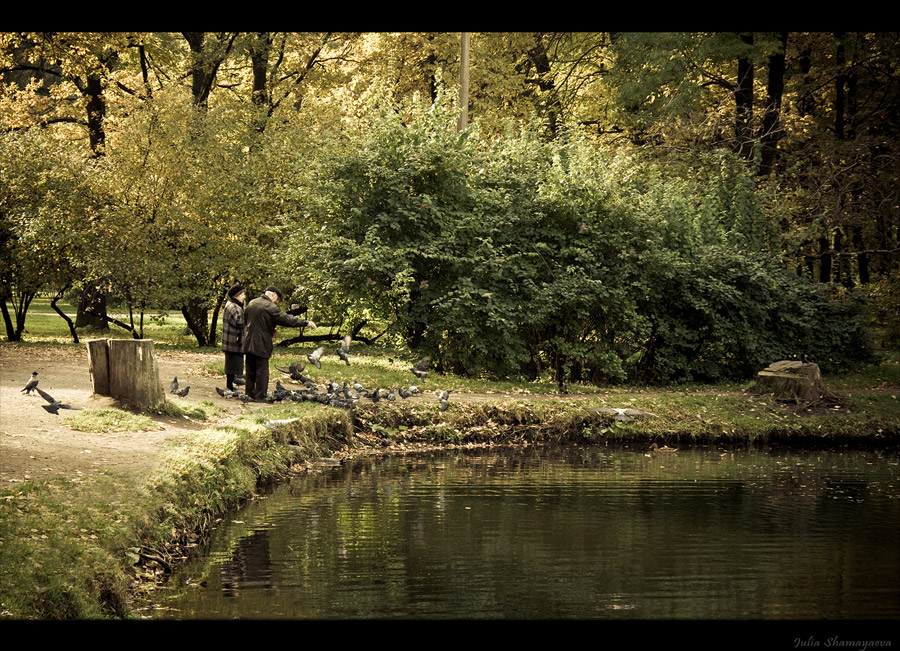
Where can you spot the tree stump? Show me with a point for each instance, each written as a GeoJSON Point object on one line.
{"type": "Point", "coordinates": [126, 369]}
{"type": "Point", "coordinates": [98, 365]}
{"type": "Point", "coordinates": [794, 381]}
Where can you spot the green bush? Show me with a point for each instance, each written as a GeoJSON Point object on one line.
{"type": "Point", "coordinates": [523, 256]}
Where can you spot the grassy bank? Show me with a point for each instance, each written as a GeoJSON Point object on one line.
{"type": "Point", "coordinates": [78, 550]}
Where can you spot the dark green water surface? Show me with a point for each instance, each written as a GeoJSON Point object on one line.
{"type": "Point", "coordinates": [563, 533]}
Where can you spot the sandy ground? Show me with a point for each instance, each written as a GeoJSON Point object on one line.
{"type": "Point", "coordinates": [35, 444]}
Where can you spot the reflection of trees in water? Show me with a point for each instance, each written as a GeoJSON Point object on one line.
{"type": "Point", "coordinates": [250, 566]}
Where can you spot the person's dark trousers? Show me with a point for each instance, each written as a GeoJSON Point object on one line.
{"type": "Point", "coordinates": [257, 376]}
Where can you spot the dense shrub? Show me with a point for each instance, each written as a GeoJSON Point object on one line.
{"type": "Point", "coordinates": [521, 255]}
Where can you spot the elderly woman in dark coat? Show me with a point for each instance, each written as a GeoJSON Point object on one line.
{"type": "Point", "coordinates": [233, 335]}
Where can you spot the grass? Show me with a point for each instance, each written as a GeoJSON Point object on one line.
{"type": "Point", "coordinates": [110, 420]}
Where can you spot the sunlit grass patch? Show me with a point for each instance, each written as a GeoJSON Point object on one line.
{"type": "Point", "coordinates": [194, 410]}
{"type": "Point", "coordinates": [109, 420]}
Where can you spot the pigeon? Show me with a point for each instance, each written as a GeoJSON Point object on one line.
{"type": "Point", "coordinates": [391, 395]}
{"type": "Point", "coordinates": [443, 399]}
{"type": "Point", "coordinates": [32, 384]}
{"type": "Point", "coordinates": [55, 405]}
{"type": "Point", "coordinates": [414, 390]}
{"type": "Point", "coordinates": [182, 393]}
{"type": "Point", "coordinates": [174, 386]}
{"type": "Point", "coordinates": [376, 396]}
{"type": "Point", "coordinates": [358, 387]}
{"type": "Point", "coordinates": [344, 350]}
{"type": "Point", "coordinates": [295, 371]}
{"type": "Point", "coordinates": [280, 392]}
{"type": "Point", "coordinates": [403, 393]}
{"type": "Point", "coordinates": [226, 393]}
{"type": "Point", "coordinates": [315, 355]}
{"type": "Point", "coordinates": [420, 370]}
{"type": "Point", "coordinates": [625, 414]}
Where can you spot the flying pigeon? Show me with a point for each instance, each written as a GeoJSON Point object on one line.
{"type": "Point", "coordinates": [32, 384]}
{"type": "Point", "coordinates": [315, 355]}
{"type": "Point", "coordinates": [295, 371]}
{"type": "Point", "coordinates": [55, 405]}
{"type": "Point", "coordinates": [420, 370]}
{"type": "Point", "coordinates": [344, 350]}
{"type": "Point", "coordinates": [625, 414]}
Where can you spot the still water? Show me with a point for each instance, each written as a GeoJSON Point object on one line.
{"type": "Point", "coordinates": [563, 533]}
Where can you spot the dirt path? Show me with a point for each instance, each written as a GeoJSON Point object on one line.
{"type": "Point", "coordinates": [35, 444]}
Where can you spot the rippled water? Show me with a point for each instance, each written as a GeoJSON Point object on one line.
{"type": "Point", "coordinates": [564, 533]}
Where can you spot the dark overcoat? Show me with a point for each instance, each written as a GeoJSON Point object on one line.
{"type": "Point", "coordinates": [262, 315]}
{"type": "Point", "coordinates": [233, 328]}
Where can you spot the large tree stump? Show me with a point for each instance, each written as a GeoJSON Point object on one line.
{"type": "Point", "coordinates": [130, 371]}
{"type": "Point", "coordinates": [794, 381]}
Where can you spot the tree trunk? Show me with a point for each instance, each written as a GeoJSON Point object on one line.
{"type": "Point", "coordinates": [839, 89]}
{"type": "Point", "coordinates": [205, 62]}
{"type": "Point", "coordinates": [743, 98]}
{"type": "Point", "coordinates": [91, 309]}
{"type": "Point", "coordinates": [63, 314]}
{"type": "Point", "coordinates": [825, 261]}
{"type": "Point", "coordinates": [98, 365]}
{"type": "Point", "coordinates": [771, 126]}
{"type": "Point", "coordinates": [196, 316]}
{"type": "Point", "coordinates": [463, 81]}
{"type": "Point", "coordinates": [215, 318]}
{"type": "Point", "coordinates": [11, 334]}
{"type": "Point", "coordinates": [259, 64]}
{"type": "Point", "coordinates": [547, 104]}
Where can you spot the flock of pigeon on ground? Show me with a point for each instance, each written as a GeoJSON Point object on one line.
{"type": "Point", "coordinates": [336, 395]}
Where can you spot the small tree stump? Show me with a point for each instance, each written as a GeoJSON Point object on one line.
{"type": "Point", "coordinates": [794, 381]}
{"type": "Point", "coordinates": [129, 371]}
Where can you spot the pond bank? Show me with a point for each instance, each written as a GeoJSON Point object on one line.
{"type": "Point", "coordinates": [99, 548]}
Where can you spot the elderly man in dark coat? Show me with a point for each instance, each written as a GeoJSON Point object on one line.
{"type": "Point", "coordinates": [262, 315]}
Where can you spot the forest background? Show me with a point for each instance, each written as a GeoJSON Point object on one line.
{"type": "Point", "coordinates": [610, 207]}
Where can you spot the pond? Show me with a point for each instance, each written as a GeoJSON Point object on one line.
{"type": "Point", "coordinates": [567, 532]}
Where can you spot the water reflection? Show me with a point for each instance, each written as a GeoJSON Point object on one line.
{"type": "Point", "coordinates": [565, 533]}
